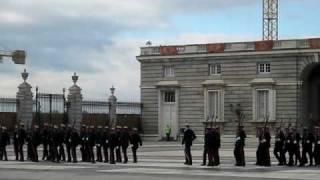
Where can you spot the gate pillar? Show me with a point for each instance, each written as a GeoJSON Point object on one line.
{"type": "Point", "coordinates": [112, 108]}
{"type": "Point", "coordinates": [75, 103]}
{"type": "Point", "coordinates": [24, 102]}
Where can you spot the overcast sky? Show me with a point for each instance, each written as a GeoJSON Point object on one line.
{"type": "Point", "coordinates": [99, 39]}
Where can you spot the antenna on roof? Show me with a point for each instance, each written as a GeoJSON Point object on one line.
{"type": "Point", "coordinates": [270, 19]}
{"type": "Point", "coordinates": [148, 43]}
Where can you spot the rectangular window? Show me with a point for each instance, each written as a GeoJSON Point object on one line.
{"type": "Point", "coordinates": [213, 106]}
{"type": "Point", "coordinates": [169, 97]}
{"type": "Point", "coordinates": [263, 104]}
{"type": "Point", "coordinates": [168, 71]}
{"type": "Point", "coordinates": [264, 68]}
{"type": "Point", "coordinates": [214, 69]}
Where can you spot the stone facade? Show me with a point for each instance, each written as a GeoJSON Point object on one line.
{"type": "Point", "coordinates": [240, 81]}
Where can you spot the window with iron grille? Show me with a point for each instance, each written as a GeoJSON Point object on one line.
{"type": "Point", "coordinates": [264, 68]}
{"type": "Point", "coordinates": [169, 97]}
{"type": "Point", "coordinates": [214, 69]}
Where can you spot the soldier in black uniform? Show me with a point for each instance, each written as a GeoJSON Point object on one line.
{"type": "Point", "coordinates": [296, 146]}
{"type": "Point", "coordinates": [316, 150]}
{"type": "Point", "coordinates": [45, 141]}
{"type": "Point", "coordinates": [216, 146]}
{"type": "Point", "coordinates": [290, 138]}
{"type": "Point", "coordinates": [239, 147]}
{"type": "Point", "coordinates": [278, 150]}
{"type": "Point", "coordinates": [22, 135]}
{"type": "Point", "coordinates": [62, 131]}
{"type": "Point", "coordinates": [105, 143]}
{"type": "Point", "coordinates": [83, 135]}
{"type": "Point", "coordinates": [75, 140]}
{"type": "Point", "coordinates": [307, 142]}
{"type": "Point", "coordinates": [50, 142]}
{"type": "Point", "coordinates": [15, 142]}
{"type": "Point", "coordinates": [113, 143]}
{"type": "Point", "coordinates": [135, 140]}
{"type": "Point", "coordinates": [4, 141]}
{"type": "Point", "coordinates": [68, 141]}
{"type": "Point", "coordinates": [124, 140]}
{"type": "Point", "coordinates": [205, 147]}
{"type": "Point", "coordinates": [35, 142]}
{"type": "Point", "coordinates": [188, 138]}
{"type": "Point", "coordinates": [55, 144]}
{"type": "Point", "coordinates": [90, 143]}
{"type": "Point", "coordinates": [99, 143]}
{"type": "Point", "coordinates": [118, 148]}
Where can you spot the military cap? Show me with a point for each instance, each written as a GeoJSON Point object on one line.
{"type": "Point", "coordinates": [45, 124]}
{"type": "Point", "coordinates": [62, 125]}
{"type": "Point", "coordinates": [21, 124]}
{"type": "Point", "coordinates": [4, 128]}
{"type": "Point", "coordinates": [106, 127]}
{"type": "Point", "coordinates": [36, 126]}
{"type": "Point", "coordinates": [134, 129]}
{"type": "Point", "coordinates": [99, 127]}
{"type": "Point", "coordinates": [55, 126]}
{"type": "Point", "coordinates": [91, 127]}
{"type": "Point", "coordinates": [125, 127]}
{"type": "Point", "coordinates": [69, 125]}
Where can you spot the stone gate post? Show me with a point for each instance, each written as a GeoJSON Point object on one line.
{"type": "Point", "coordinates": [112, 108]}
{"type": "Point", "coordinates": [75, 102]}
{"type": "Point", "coordinates": [24, 102]}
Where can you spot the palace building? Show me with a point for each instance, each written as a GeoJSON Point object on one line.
{"type": "Point", "coordinates": [277, 81]}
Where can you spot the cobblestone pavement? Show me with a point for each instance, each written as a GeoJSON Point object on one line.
{"type": "Point", "coordinates": [156, 161]}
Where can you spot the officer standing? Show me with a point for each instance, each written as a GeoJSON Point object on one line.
{"type": "Point", "coordinates": [307, 142]}
{"type": "Point", "coordinates": [188, 138]}
{"type": "Point", "coordinates": [62, 135]}
{"type": "Point", "coordinates": [316, 151]}
{"type": "Point", "coordinates": [35, 142]}
{"type": "Point", "coordinates": [239, 147]}
{"type": "Point", "coordinates": [91, 142]}
{"type": "Point", "coordinates": [290, 146]}
{"type": "Point", "coordinates": [278, 150]}
{"type": "Point", "coordinates": [216, 146]}
{"type": "Point", "coordinates": [99, 137]}
{"type": "Point", "coordinates": [75, 140]}
{"type": "Point", "coordinates": [15, 142]}
{"type": "Point", "coordinates": [21, 140]}
{"type": "Point", "coordinates": [45, 141]}
{"type": "Point", "coordinates": [125, 137]}
{"type": "Point", "coordinates": [296, 145]}
{"type": "Point", "coordinates": [118, 148]}
{"type": "Point", "coordinates": [113, 143]}
{"type": "Point", "coordinates": [55, 144]}
{"type": "Point", "coordinates": [205, 147]}
{"type": "Point", "coordinates": [105, 144]}
{"type": "Point", "coordinates": [68, 142]}
{"type": "Point", "coordinates": [135, 140]}
{"type": "Point", "coordinates": [83, 135]}
{"type": "Point", "coordinates": [4, 141]}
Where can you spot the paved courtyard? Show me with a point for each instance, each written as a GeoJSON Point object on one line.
{"type": "Point", "coordinates": [156, 161]}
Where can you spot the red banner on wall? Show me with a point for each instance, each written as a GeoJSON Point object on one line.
{"type": "Point", "coordinates": [168, 50]}
{"type": "Point", "coordinates": [263, 45]}
{"type": "Point", "coordinates": [215, 48]}
{"type": "Point", "coordinates": [314, 43]}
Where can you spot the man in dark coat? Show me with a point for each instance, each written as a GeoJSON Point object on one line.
{"type": "Point", "coordinates": [62, 134]}
{"type": "Point", "coordinates": [316, 150]}
{"type": "Point", "coordinates": [75, 141]}
{"type": "Point", "coordinates": [22, 135]}
{"type": "Point", "coordinates": [105, 144]}
{"type": "Point", "coordinates": [278, 150]}
{"type": "Point", "coordinates": [216, 145]}
{"type": "Point", "coordinates": [16, 142]}
{"type": "Point", "coordinates": [83, 136]}
{"type": "Point", "coordinates": [90, 143]}
{"type": "Point", "coordinates": [205, 147]}
{"type": "Point", "coordinates": [118, 148]}
{"type": "Point", "coordinates": [135, 140]}
{"type": "Point", "coordinates": [99, 143]}
{"type": "Point", "coordinates": [4, 141]}
{"type": "Point", "coordinates": [45, 141]}
{"type": "Point", "coordinates": [68, 142]}
{"type": "Point", "coordinates": [239, 147]}
{"type": "Point", "coordinates": [55, 144]}
{"type": "Point", "coordinates": [113, 143]}
{"type": "Point", "coordinates": [124, 140]}
{"type": "Point", "coordinates": [35, 142]}
{"type": "Point", "coordinates": [307, 142]}
{"type": "Point", "coordinates": [296, 145]}
{"type": "Point", "coordinates": [188, 138]}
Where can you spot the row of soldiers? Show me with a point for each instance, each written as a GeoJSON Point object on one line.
{"type": "Point", "coordinates": [289, 143]}
{"type": "Point", "coordinates": [107, 142]}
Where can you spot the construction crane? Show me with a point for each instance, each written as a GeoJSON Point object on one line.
{"type": "Point", "coordinates": [18, 56]}
{"type": "Point", "coordinates": [270, 19]}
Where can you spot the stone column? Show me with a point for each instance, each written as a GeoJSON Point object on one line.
{"type": "Point", "coordinates": [24, 102]}
{"type": "Point", "coordinates": [112, 108]}
{"type": "Point", "coordinates": [75, 102]}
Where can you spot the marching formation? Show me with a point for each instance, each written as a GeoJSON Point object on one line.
{"type": "Point", "coordinates": [99, 143]}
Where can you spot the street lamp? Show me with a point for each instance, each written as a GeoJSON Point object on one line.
{"type": "Point", "coordinates": [18, 56]}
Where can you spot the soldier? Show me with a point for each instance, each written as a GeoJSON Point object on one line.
{"type": "Point", "coordinates": [188, 138]}
{"type": "Point", "coordinates": [206, 146]}
{"type": "Point", "coordinates": [124, 140]}
{"type": "Point", "coordinates": [68, 141]}
{"type": "Point", "coordinates": [90, 143]}
{"type": "Point", "coordinates": [316, 151]}
{"type": "Point", "coordinates": [135, 140]}
{"type": "Point", "coordinates": [99, 138]}
{"type": "Point", "coordinates": [15, 142]}
{"type": "Point", "coordinates": [45, 141]}
{"type": "Point", "coordinates": [113, 143]}
{"type": "Point", "coordinates": [105, 143]}
{"type": "Point", "coordinates": [21, 140]}
{"type": "Point", "coordinates": [296, 146]}
{"type": "Point", "coordinates": [62, 135]}
{"type": "Point", "coordinates": [55, 144]}
{"type": "Point", "coordinates": [50, 142]}
{"type": "Point", "coordinates": [209, 141]}
{"type": "Point", "coordinates": [307, 141]}
{"type": "Point", "coordinates": [278, 150]}
{"type": "Point", "coordinates": [75, 140]}
{"type": "Point", "coordinates": [216, 145]}
{"type": "Point", "coordinates": [118, 148]}
{"type": "Point", "coordinates": [4, 141]}
{"type": "Point", "coordinates": [35, 142]}
{"type": "Point", "coordinates": [239, 147]}
{"type": "Point", "coordinates": [290, 146]}
{"type": "Point", "coordinates": [83, 135]}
